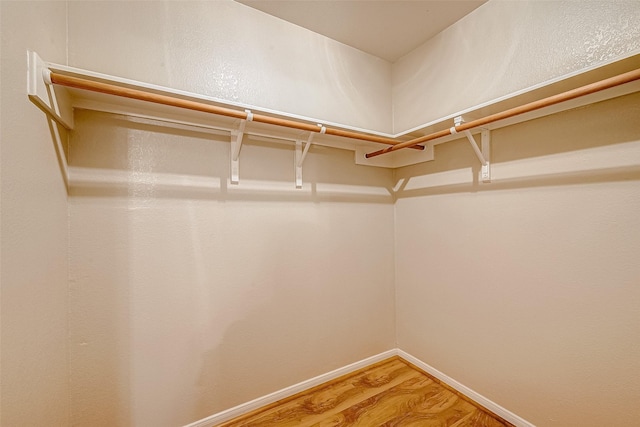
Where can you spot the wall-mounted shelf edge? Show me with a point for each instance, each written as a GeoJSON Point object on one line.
{"type": "Point", "coordinates": [72, 98]}
{"type": "Point", "coordinates": [59, 101]}
{"type": "Point", "coordinates": [590, 74]}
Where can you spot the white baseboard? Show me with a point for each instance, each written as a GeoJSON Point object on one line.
{"type": "Point", "coordinates": [236, 411]}
{"type": "Point", "coordinates": [244, 408]}
{"type": "Point", "coordinates": [476, 397]}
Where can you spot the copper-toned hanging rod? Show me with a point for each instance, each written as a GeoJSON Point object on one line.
{"type": "Point", "coordinates": [79, 83]}
{"type": "Point", "coordinates": [535, 105]}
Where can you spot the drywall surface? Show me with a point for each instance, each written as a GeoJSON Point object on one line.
{"type": "Point", "coordinates": [231, 51]}
{"type": "Point", "coordinates": [527, 289]}
{"type": "Point", "coordinates": [506, 46]}
{"type": "Point", "coordinates": [190, 295]}
{"type": "Point", "coordinates": [34, 243]}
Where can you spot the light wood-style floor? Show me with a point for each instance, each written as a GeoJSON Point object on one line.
{"type": "Point", "coordinates": [390, 393]}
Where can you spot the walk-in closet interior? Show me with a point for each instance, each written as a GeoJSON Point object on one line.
{"type": "Point", "coordinates": [206, 208]}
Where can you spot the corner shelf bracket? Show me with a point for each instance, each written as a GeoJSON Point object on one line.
{"type": "Point", "coordinates": [301, 154]}
{"type": "Point", "coordinates": [236, 146]}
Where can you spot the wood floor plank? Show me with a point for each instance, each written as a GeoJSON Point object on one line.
{"type": "Point", "coordinates": [390, 393]}
{"type": "Point", "coordinates": [364, 388]}
{"type": "Point", "coordinates": [419, 401]}
{"type": "Point", "coordinates": [326, 399]}
{"type": "Point", "coordinates": [480, 418]}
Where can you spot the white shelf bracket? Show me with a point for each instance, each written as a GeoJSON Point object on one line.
{"type": "Point", "coordinates": [475, 147]}
{"type": "Point", "coordinates": [236, 146]}
{"type": "Point", "coordinates": [484, 153]}
{"type": "Point", "coordinates": [301, 154]}
{"type": "Point", "coordinates": [485, 173]}
{"type": "Point", "coordinates": [52, 100]}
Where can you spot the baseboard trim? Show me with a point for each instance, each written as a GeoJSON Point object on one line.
{"type": "Point", "coordinates": [471, 394]}
{"type": "Point", "coordinates": [244, 408]}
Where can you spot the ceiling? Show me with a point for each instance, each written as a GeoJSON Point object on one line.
{"type": "Point", "coordinates": [387, 29]}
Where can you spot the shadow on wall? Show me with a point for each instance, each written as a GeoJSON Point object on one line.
{"type": "Point", "coordinates": [596, 143]}
{"type": "Point", "coordinates": [114, 156]}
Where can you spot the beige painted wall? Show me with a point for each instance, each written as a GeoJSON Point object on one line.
{"type": "Point", "coordinates": [186, 302]}
{"type": "Point", "coordinates": [231, 51]}
{"type": "Point", "coordinates": [527, 289]}
{"type": "Point", "coordinates": [184, 289]}
{"type": "Point", "coordinates": [34, 376]}
{"type": "Point", "coordinates": [190, 295]}
{"type": "Point", "coordinates": [506, 46]}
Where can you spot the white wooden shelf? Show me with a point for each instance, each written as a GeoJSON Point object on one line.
{"type": "Point", "coordinates": [59, 103]}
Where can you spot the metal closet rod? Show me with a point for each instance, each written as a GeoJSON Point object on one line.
{"type": "Point", "coordinates": [535, 105]}
{"type": "Point", "coordinates": [79, 83]}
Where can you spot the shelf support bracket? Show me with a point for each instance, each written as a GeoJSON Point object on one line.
{"type": "Point", "coordinates": [485, 173]}
{"type": "Point", "coordinates": [484, 153]}
{"type": "Point", "coordinates": [475, 147]}
{"type": "Point", "coordinates": [52, 100]}
{"type": "Point", "coordinates": [236, 146]}
{"type": "Point", "coordinates": [301, 154]}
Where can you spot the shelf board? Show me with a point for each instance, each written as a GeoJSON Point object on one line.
{"type": "Point", "coordinates": [59, 103]}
